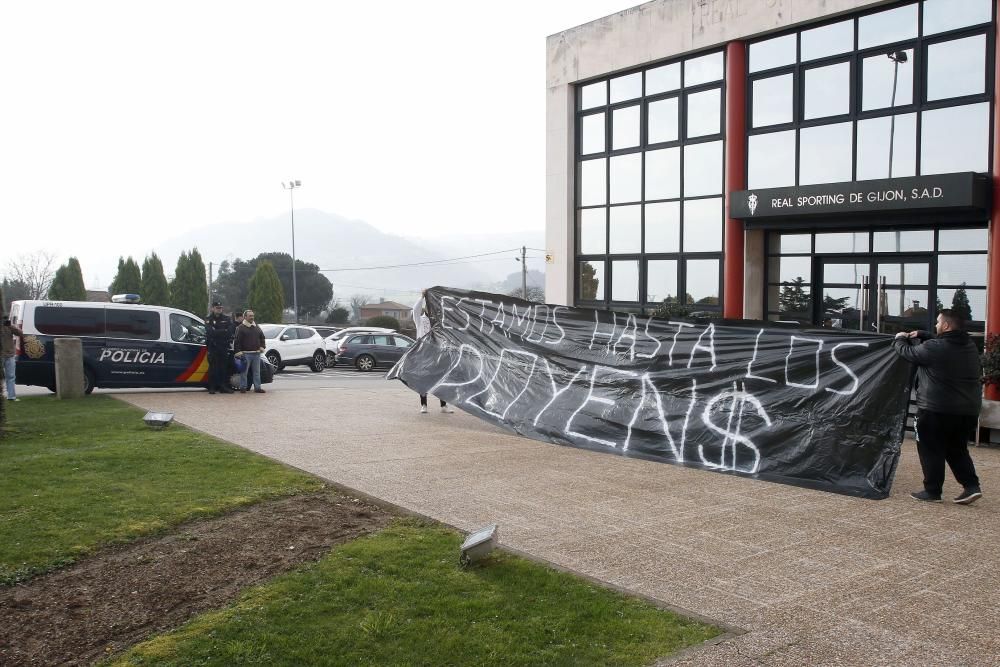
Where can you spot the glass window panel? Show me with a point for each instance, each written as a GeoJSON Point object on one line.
{"type": "Point", "coordinates": [775, 52]}
{"type": "Point", "coordinates": [976, 298]}
{"type": "Point", "coordinates": [908, 273]}
{"type": "Point", "coordinates": [827, 91]}
{"type": "Point", "coordinates": [663, 227]}
{"type": "Point", "coordinates": [625, 280]}
{"type": "Point", "coordinates": [626, 87]}
{"type": "Point", "coordinates": [592, 134]}
{"type": "Point", "coordinates": [661, 280]}
{"type": "Point", "coordinates": [906, 303]}
{"type": "Point", "coordinates": [593, 182]}
{"type": "Point", "coordinates": [662, 121]}
{"type": "Point", "coordinates": [850, 273]}
{"type": "Point", "coordinates": [663, 79]}
{"type": "Point", "coordinates": [625, 127]}
{"type": "Point", "coordinates": [704, 113]}
{"type": "Point", "coordinates": [594, 95]}
{"type": "Point", "coordinates": [786, 243]}
{"type": "Point", "coordinates": [626, 178]}
{"type": "Point", "coordinates": [942, 15]}
{"type": "Point", "coordinates": [591, 277]}
{"type": "Point", "coordinates": [842, 242]}
{"type": "Point", "coordinates": [771, 160]}
{"type": "Point", "coordinates": [825, 155]}
{"type": "Point", "coordinates": [704, 69]}
{"type": "Point", "coordinates": [132, 323]}
{"type": "Point", "coordinates": [593, 238]}
{"type": "Point", "coordinates": [626, 229]}
{"type": "Point", "coordinates": [893, 25]}
{"type": "Point", "coordinates": [703, 225]}
{"type": "Point", "coordinates": [663, 174]}
{"type": "Point", "coordinates": [843, 303]}
{"type": "Point", "coordinates": [789, 269]}
{"type": "Point", "coordinates": [702, 281]}
{"type": "Point", "coordinates": [873, 146]}
{"type": "Point", "coordinates": [955, 139]}
{"type": "Point", "coordinates": [772, 100]}
{"type": "Point", "coordinates": [956, 68]}
{"type": "Point", "coordinates": [703, 169]}
{"type": "Point", "coordinates": [828, 40]}
{"type": "Point", "coordinates": [963, 239]}
{"type": "Point", "coordinates": [911, 241]}
{"type": "Point", "coordinates": [958, 269]}
{"type": "Point", "coordinates": [877, 73]}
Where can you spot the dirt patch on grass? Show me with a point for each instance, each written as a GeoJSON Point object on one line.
{"type": "Point", "coordinates": [123, 595]}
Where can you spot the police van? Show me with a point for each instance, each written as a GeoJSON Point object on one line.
{"type": "Point", "coordinates": [125, 344]}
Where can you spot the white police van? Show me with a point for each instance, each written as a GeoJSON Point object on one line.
{"type": "Point", "coordinates": [125, 344]}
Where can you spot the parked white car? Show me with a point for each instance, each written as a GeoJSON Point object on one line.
{"type": "Point", "coordinates": [333, 341]}
{"type": "Point", "coordinates": [293, 345]}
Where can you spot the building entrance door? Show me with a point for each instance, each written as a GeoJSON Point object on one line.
{"type": "Point", "coordinates": [875, 294]}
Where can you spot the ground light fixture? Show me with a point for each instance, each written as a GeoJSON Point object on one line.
{"type": "Point", "coordinates": [158, 420]}
{"type": "Point", "coordinates": [479, 544]}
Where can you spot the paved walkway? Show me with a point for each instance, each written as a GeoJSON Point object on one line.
{"type": "Point", "coordinates": [814, 578]}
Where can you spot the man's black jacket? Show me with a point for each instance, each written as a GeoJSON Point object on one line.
{"type": "Point", "coordinates": [948, 372]}
{"type": "Point", "coordinates": [218, 332]}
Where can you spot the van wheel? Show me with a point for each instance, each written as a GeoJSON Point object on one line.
{"type": "Point", "coordinates": [88, 381]}
{"type": "Point", "coordinates": [365, 363]}
{"type": "Point", "coordinates": [275, 359]}
{"type": "Point", "coordinates": [318, 361]}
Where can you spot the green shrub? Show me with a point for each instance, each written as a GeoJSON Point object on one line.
{"type": "Point", "coordinates": [384, 321]}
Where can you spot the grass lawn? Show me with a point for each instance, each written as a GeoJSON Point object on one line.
{"type": "Point", "coordinates": [79, 474]}
{"type": "Point", "coordinates": [400, 598]}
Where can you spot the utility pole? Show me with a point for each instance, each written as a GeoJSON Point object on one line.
{"type": "Point", "coordinates": [210, 284]}
{"type": "Point", "coordinates": [524, 273]}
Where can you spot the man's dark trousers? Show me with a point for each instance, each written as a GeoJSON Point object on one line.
{"type": "Point", "coordinates": [945, 438]}
{"type": "Point", "coordinates": [217, 367]}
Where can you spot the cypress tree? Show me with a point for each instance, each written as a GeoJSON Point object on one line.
{"type": "Point", "coordinates": [178, 290]}
{"type": "Point", "coordinates": [266, 298]}
{"type": "Point", "coordinates": [128, 280]}
{"type": "Point", "coordinates": [199, 283]}
{"type": "Point", "coordinates": [67, 284]}
{"type": "Point", "coordinates": [155, 291]}
{"type": "Point", "coordinates": [960, 304]}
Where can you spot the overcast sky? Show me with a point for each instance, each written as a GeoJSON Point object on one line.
{"type": "Point", "coordinates": [124, 123]}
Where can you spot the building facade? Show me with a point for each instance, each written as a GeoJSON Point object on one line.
{"type": "Point", "coordinates": [793, 160]}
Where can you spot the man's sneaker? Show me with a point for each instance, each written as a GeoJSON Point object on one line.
{"type": "Point", "coordinates": [15, 399]}
{"type": "Point", "coordinates": [969, 496]}
{"type": "Point", "coordinates": [926, 497]}
{"type": "Point", "coordinates": [446, 410]}
{"type": "Point", "coordinates": [423, 409]}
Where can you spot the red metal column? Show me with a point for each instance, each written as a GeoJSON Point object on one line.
{"type": "Point", "coordinates": [993, 280]}
{"type": "Point", "coordinates": [736, 86]}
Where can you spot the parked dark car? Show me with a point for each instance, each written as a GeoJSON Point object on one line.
{"type": "Point", "coordinates": [366, 351]}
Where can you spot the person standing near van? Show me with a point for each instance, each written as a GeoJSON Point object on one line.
{"type": "Point", "coordinates": [218, 328]}
{"type": "Point", "coordinates": [423, 325]}
{"type": "Point", "coordinates": [249, 344]}
{"type": "Point", "coordinates": [7, 332]}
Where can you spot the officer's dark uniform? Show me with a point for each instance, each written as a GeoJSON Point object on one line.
{"type": "Point", "coordinates": [219, 330]}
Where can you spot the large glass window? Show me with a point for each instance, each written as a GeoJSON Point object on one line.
{"type": "Point", "coordinates": [649, 206]}
{"type": "Point", "coordinates": [827, 91]}
{"type": "Point", "coordinates": [771, 160]}
{"type": "Point", "coordinates": [955, 139]}
{"type": "Point", "coordinates": [825, 154]}
{"type": "Point", "coordinates": [827, 40]}
{"type": "Point", "coordinates": [772, 100]}
{"type": "Point", "coordinates": [956, 68]}
{"type": "Point", "coordinates": [874, 137]}
{"type": "Point", "coordinates": [887, 82]}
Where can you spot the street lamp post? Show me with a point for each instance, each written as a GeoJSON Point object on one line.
{"type": "Point", "coordinates": [290, 186]}
{"type": "Point", "coordinates": [897, 58]}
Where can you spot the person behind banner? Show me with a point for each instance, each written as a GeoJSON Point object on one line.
{"type": "Point", "coordinates": [423, 325]}
{"type": "Point", "coordinates": [949, 397]}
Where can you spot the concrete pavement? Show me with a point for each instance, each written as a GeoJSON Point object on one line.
{"type": "Point", "coordinates": [813, 577]}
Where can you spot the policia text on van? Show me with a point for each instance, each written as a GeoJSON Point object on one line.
{"type": "Point", "coordinates": [124, 345]}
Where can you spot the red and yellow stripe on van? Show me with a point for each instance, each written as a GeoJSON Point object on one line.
{"type": "Point", "coordinates": [196, 372]}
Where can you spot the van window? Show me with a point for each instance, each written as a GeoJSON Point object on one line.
{"type": "Point", "coordinates": [184, 329]}
{"type": "Point", "coordinates": [130, 323]}
{"type": "Point", "coordinates": [58, 321]}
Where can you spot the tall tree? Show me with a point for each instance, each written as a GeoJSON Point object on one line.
{"type": "Point", "coordinates": [189, 289]}
{"type": "Point", "coordinates": [13, 290]}
{"type": "Point", "coordinates": [33, 270]}
{"type": "Point", "coordinates": [67, 285]}
{"type": "Point", "coordinates": [314, 289]}
{"type": "Point", "coordinates": [128, 280]}
{"type": "Point", "coordinates": [154, 288]}
{"type": "Point", "coordinates": [358, 301]}
{"type": "Point", "coordinates": [794, 298]}
{"type": "Point", "coordinates": [266, 298]}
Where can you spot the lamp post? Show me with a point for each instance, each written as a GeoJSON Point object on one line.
{"type": "Point", "coordinates": [897, 58]}
{"type": "Point", "coordinates": [290, 186]}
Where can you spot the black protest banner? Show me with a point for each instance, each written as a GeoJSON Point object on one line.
{"type": "Point", "coordinates": [822, 408]}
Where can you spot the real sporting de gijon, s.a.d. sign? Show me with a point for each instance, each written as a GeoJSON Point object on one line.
{"type": "Point", "coordinates": [822, 408]}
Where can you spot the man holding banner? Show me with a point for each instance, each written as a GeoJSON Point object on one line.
{"type": "Point", "coordinates": [949, 397]}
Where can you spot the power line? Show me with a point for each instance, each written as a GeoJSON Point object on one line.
{"type": "Point", "coordinates": [435, 261]}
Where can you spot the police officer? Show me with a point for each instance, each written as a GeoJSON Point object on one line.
{"type": "Point", "coordinates": [219, 332]}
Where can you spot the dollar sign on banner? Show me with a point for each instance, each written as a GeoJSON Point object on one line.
{"type": "Point", "coordinates": [732, 438]}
